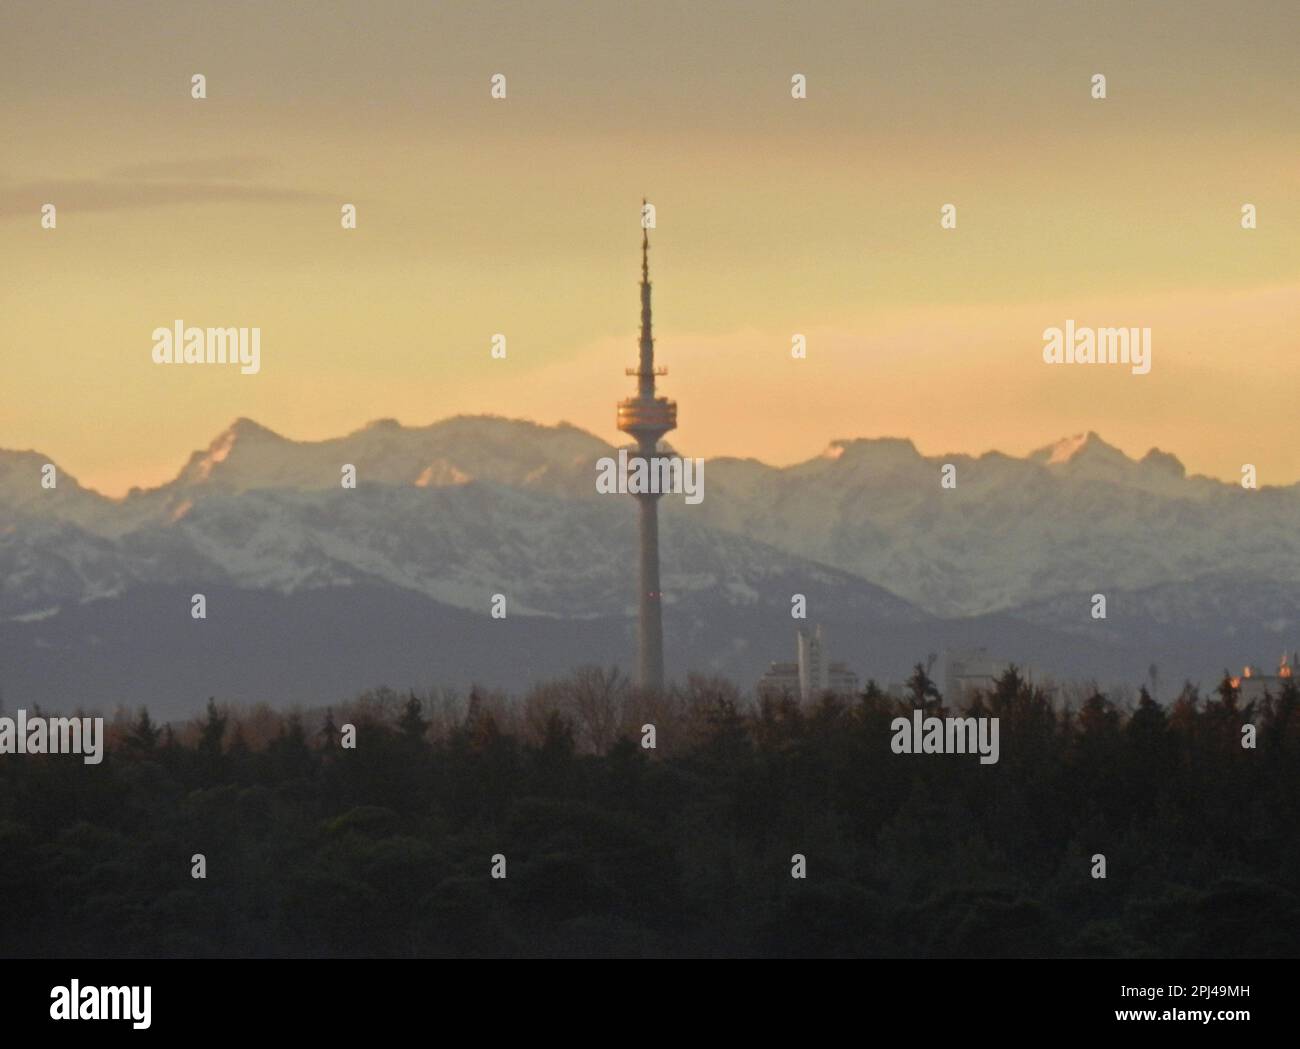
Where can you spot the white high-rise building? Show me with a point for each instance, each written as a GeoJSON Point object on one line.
{"type": "Point", "coordinates": [812, 663]}
{"type": "Point", "coordinates": [812, 675]}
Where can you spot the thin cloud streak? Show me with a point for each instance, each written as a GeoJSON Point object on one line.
{"type": "Point", "coordinates": [73, 195]}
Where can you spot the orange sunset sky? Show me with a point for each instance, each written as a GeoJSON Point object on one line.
{"type": "Point", "coordinates": [774, 216]}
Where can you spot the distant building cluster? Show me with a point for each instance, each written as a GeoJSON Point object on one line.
{"type": "Point", "coordinates": [960, 674]}
{"type": "Point", "coordinates": [964, 672]}
{"type": "Point", "coordinates": [812, 675]}
{"type": "Point", "coordinates": [968, 671]}
{"type": "Point", "coordinates": [1253, 685]}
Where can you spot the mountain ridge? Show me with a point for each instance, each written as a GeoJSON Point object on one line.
{"type": "Point", "coordinates": [244, 431]}
{"type": "Point", "coordinates": [885, 554]}
{"type": "Point", "coordinates": [1072, 514]}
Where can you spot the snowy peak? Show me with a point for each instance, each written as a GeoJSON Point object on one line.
{"type": "Point", "coordinates": [872, 447]}
{"type": "Point", "coordinates": [1081, 448]}
{"type": "Point", "coordinates": [241, 456]}
{"type": "Point", "coordinates": [1087, 455]}
{"type": "Point", "coordinates": [247, 456]}
{"type": "Point", "coordinates": [865, 454]}
{"type": "Point", "coordinates": [237, 437]}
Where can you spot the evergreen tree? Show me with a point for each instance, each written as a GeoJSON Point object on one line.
{"type": "Point", "coordinates": [213, 733]}
{"type": "Point", "coordinates": [144, 734]}
{"type": "Point", "coordinates": [412, 724]}
{"type": "Point", "coordinates": [289, 751]}
{"type": "Point", "coordinates": [1148, 722]}
{"type": "Point", "coordinates": [329, 733]}
{"type": "Point", "coordinates": [921, 689]}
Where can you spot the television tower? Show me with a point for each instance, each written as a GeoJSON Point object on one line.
{"type": "Point", "coordinates": [647, 418]}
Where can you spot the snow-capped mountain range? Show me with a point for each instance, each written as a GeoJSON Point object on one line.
{"type": "Point", "coordinates": [455, 512]}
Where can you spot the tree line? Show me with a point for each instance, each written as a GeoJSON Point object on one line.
{"type": "Point", "coordinates": [610, 848]}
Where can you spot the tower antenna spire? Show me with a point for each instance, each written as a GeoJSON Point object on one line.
{"type": "Point", "coordinates": [645, 247]}
{"type": "Point", "coordinates": [646, 365]}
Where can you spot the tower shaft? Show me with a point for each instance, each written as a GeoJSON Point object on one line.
{"type": "Point", "coordinates": [651, 676]}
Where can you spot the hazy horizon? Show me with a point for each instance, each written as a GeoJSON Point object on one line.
{"type": "Point", "coordinates": [1134, 454]}
{"type": "Point", "coordinates": [774, 216]}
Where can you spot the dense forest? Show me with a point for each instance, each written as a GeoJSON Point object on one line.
{"type": "Point", "coordinates": [386, 848]}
